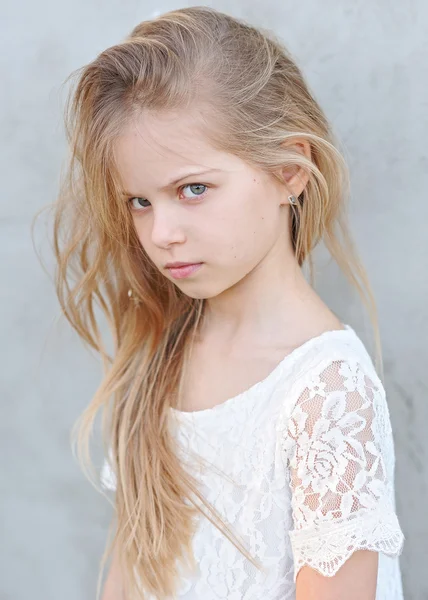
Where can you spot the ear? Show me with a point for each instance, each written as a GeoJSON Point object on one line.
{"type": "Point", "coordinates": [295, 177]}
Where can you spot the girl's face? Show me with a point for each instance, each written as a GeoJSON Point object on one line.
{"type": "Point", "coordinates": [192, 204]}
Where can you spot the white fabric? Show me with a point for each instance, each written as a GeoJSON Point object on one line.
{"type": "Point", "coordinates": [302, 467]}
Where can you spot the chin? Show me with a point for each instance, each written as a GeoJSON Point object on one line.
{"type": "Point", "coordinates": [198, 294]}
{"type": "Point", "coordinates": [204, 292]}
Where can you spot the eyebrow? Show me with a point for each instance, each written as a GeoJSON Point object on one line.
{"type": "Point", "coordinates": [175, 181]}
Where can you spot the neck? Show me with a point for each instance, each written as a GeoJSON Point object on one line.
{"type": "Point", "coordinates": [272, 304]}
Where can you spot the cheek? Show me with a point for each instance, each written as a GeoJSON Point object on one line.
{"type": "Point", "coordinates": [246, 239]}
{"type": "Point", "coordinates": [142, 226]}
{"type": "Point", "coordinates": [142, 229]}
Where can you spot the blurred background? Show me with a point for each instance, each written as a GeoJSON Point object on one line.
{"type": "Point", "coordinates": [367, 64]}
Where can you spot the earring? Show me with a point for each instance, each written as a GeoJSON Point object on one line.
{"type": "Point", "coordinates": [292, 200]}
{"type": "Point", "coordinates": [130, 295]}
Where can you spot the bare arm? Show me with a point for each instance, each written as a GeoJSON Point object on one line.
{"type": "Point", "coordinates": [355, 580]}
{"type": "Point", "coordinates": [113, 588]}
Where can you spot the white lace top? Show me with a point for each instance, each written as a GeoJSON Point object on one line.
{"type": "Point", "coordinates": [309, 462]}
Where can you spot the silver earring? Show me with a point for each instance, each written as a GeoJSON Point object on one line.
{"type": "Point", "coordinates": [292, 200]}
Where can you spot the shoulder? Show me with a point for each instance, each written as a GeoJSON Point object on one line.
{"type": "Point", "coordinates": [334, 362]}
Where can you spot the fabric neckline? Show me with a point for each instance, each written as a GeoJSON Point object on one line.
{"type": "Point", "coordinates": [290, 357]}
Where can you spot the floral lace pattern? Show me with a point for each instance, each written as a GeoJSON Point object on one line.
{"type": "Point", "coordinates": [337, 445]}
{"type": "Point", "coordinates": [309, 462]}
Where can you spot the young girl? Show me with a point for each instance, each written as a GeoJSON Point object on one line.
{"type": "Point", "coordinates": [247, 432]}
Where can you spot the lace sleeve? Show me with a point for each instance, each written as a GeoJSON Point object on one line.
{"type": "Point", "coordinates": [339, 451]}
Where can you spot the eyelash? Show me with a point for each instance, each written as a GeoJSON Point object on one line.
{"type": "Point", "coordinates": [144, 208]}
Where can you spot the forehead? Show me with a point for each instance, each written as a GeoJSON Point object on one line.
{"type": "Point", "coordinates": [156, 148]}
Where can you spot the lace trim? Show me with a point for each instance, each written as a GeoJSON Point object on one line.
{"type": "Point", "coordinates": [327, 547]}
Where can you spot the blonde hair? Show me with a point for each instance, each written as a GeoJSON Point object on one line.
{"type": "Point", "coordinates": [259, 102]}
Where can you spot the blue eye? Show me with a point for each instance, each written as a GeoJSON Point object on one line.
{"type": "Point", "coordinates": [140, 206]}
{"type": "Point", "coordinates": [195, 185]}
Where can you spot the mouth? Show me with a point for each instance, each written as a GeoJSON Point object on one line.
{"type": "Point", "coordinates": [180, 270]}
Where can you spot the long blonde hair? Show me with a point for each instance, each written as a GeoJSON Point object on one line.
{"type": "Point", "coordinates": [259, 102]}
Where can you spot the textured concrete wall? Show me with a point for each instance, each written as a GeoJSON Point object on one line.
{"type": "Point", "coordinates": [367, 64]}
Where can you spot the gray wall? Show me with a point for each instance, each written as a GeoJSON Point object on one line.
{"type": "Point", "coordinates": [367, 63]}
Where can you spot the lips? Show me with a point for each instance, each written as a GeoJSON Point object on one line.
{"type": "Point", "coordinates": [180, 270]}
{"type": "Point", "coordinates": [173, 265]}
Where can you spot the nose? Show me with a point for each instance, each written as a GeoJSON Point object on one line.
{"type": "Point", "coordinates": [168, 227]}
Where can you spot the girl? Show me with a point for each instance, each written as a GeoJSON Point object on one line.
{"type": "Point", "coordinates": [248, 436]}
